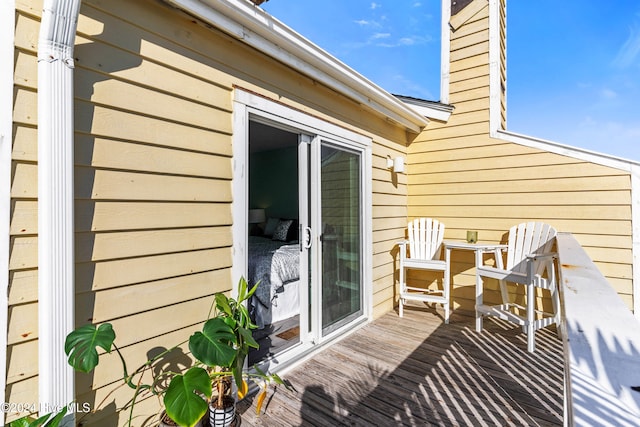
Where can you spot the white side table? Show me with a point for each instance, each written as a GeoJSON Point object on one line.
{"type": "Point", "coordinates": [479, 249]}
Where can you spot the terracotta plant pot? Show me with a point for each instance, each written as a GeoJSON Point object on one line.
{"type": "Point", "coordinates": [165, 421]}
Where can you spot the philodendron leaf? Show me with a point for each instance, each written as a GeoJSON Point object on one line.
{"type": "Point", "coordinates": [223, 304]}
{"type": "Point", "coordinates": [247, 337]}
{"type": "Point", "coordinates": [214, 346]}
{"type": "Point", "coordinates": [81, 344]}
{"type": "Point", "coordinates": [20, 422]}
{"type": "Point", "coordinates": [55, 420]}
{"type": "Point", "coordinates": [182, 400]}
{"type": "Point", "coordinates": [44, 421]}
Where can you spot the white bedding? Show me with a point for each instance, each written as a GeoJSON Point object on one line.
{"type": "Point", "coordinates": [276, 265]}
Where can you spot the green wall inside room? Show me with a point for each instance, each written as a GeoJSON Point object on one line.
{"type": "Point", "coordinates": [273, 182]}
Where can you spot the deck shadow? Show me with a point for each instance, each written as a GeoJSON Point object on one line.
{"type": "Point", "coordinates": [419, 371]}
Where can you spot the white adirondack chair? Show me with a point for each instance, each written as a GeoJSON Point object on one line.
{"type": "Point", "coordinates": [423, 251]}
{"type": "Point", "coordinates": [530, 262]}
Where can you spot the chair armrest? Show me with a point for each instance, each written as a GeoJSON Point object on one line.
{"type": "Point", "coordinates": [546, 259]}
{"type": "Point", "coordinates": [402, 246]}
{"type": "Point", "coordinates": [548, 255]}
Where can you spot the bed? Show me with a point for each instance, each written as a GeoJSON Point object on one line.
{"type": "Point", "coordinates": [275, 265]}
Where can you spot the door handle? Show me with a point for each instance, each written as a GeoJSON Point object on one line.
{"type": "Point", "coordinates": [305, 238]}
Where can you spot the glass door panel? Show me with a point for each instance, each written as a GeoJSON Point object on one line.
{"type": "Point", "coordinates": [341, 213]}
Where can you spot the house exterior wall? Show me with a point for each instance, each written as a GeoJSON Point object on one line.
{"type": "Point", "coordinates": [460, 175]}
{"type": "Point", "coordinates": [153, 181]}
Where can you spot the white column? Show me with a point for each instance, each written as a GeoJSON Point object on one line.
{"type": "Point", "coordinates": [55, 201]}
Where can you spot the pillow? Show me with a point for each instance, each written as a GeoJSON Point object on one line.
{"type": "Point", "coordinates": [270, 226]}
{"type": "Point", "coordinates": [293, 231]}
{"type": "Point", "coordinates": [282, 230]}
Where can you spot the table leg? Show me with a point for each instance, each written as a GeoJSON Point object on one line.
{"type": "Point", "coordinates": [447, 283]}
{"type": "Point", "coordinates": [478, 290]}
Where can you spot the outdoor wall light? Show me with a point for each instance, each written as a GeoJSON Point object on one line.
{"type": "Point", "coordinates": [395, 164]}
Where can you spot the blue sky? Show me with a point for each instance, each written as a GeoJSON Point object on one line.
{"type": "Point", "coordinates": [573, 71]}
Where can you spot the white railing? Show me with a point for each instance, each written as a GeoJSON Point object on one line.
{"type": "Point", "coordinates": [601, 340]}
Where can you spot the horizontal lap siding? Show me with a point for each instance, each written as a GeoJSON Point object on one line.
{"type": "Point", "coordinates": [153, 192]}
{"type": "Point", "coordinates": [22, 350]}
{"type": "Point", "coordinates": [472, 182]}
{"type": "Point", "coordinates": [153, 184]}
{"type": "Point", "coordinates": [153, 154]}
{"type": "Point", "coordinates": [493, 185]}
{"type": "Point", "coordinates": [389, 221]}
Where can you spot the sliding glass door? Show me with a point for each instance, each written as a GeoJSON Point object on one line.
{"type": "Point", "coordinates": [331, 215]}
{"type": "Point", "coordinates": [298, 171]}
{"type": "Point", "coordinates": [341, 240]}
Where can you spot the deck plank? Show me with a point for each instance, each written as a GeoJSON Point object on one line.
{"type": "Point", "coordinates": [419, 371]}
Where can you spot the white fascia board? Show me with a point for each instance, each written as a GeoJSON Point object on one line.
{"type": "Point", "coordinates": [258, 29]}
{"type": "Point", "coordinates": [7, 27]}
{"type": "Point", "coordinates": [568, 150]}
{"type": "Point", "coordinates": [432, 113]}
{"type": "Point", "coordinates": [445, 47]}
{"type": "Point", "coordinates": [494, 67]}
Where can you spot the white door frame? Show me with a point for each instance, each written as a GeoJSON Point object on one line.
{"type": "Point", "coordinates": [248, 104]}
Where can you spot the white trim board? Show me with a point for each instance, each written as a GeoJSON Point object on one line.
{"type": "Point", "coordinates": [249, 105]}
{"type": "Point", "coordinates": [494, 68]}
{"type": "Point", "coordinates": [445, 54]}
{"type": "Point", "coordinates": [568, 150]}
{"type": "Point", "coordinates": [7, 26]}
{"type": "Point", "coordinates": [258, 29]}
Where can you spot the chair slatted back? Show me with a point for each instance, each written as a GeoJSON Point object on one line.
{"type": "Point", "coordinates": [425, 238]}
{"type": "Point", "coordinates": [528, 238]}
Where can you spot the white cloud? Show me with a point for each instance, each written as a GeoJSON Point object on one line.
{"type": "Point", "coordinates": [363, 22]}
{"type": "Point", "coordinates": [608, 93]}
{"type": "Point", "coordinates": [612, 137]}
{"type": "Point", "coordinates": [381, 36]}
{"type": "Point", "coordinates": [405, 41]}
{"type": "Point", "coordinates": [408, 41]}
{"type": "Point", "coordinates": [629, 52]}
{"type": "Point", "coordinates": [375, 6]}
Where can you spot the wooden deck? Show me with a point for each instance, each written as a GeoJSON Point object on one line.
{"type": "Point", "coordinates": [418, 371]}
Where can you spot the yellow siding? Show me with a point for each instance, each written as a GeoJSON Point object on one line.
{"type": "Point", "coordinates": [153, 154]}
{"type": "Point", "coordinates": [493, 185]}
{"type": "Point", "coordinates": [22, 355]}
{"type": "Point", "coordinates": [466, 179]}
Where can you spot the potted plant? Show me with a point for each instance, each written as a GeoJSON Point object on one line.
{"type": "Point", "coordinates": [81, 347]}
{"type": "Point", "coordinates": [222, 346]}
{"type": "Point", "coordinates": [220, 350]}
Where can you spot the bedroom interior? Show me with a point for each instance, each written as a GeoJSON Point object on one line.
{"type": "Point", "coordinates": [273, 238]}
{"type": "Point", "coordinates": [274, 254]}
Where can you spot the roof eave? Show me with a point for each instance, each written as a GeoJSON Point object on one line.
{"type": "Point", "coordinates": [258, 29]}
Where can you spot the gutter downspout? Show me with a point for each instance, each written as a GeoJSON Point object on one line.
{"type": "Point", "coordinates": [56, 202]}
{"type": "Point", "coordinates": [7, 36]}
